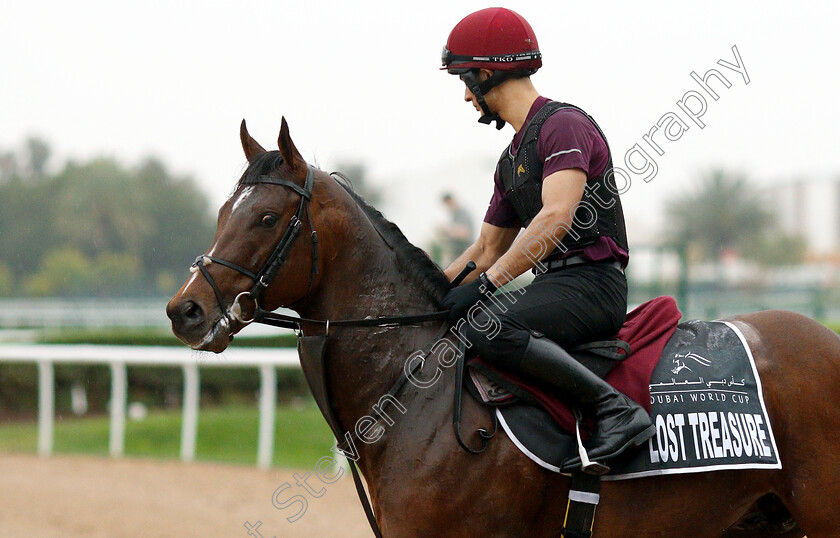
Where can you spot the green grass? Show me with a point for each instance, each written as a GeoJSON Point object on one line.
{"type": "Point", "coordinates": [226, 434]}
{"type": "Point", "coordinates": [833, 325]}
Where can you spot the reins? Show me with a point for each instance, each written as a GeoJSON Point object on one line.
{"type": "Point", "coordinates": [315, 371]}
{"type": "Point", "coordinates": [293, 322]}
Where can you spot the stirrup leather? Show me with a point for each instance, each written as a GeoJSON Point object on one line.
{"type": "Point", "coordinates": [586, 465]}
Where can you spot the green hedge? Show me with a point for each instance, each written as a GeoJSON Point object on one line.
{"type": "Point", "coordinates": [157, 387]}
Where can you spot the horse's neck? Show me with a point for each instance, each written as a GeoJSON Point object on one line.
{"type": "Point", "coordinates": [363, 363]}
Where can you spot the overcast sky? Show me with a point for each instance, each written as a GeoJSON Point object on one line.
{"type": "Point", "coordinates": [359, 81]}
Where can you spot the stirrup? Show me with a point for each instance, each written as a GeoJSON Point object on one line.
{"type": "Point", "coordinates": [586, 465]}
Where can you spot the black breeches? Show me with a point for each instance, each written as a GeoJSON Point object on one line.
{"type": "Point", "coordinates": [570, 306]}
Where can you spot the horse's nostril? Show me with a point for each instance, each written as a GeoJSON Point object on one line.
{"type": "Point", "coordinates": [187, 317]}
{"type": "Point", "coordinates": [191, 312]}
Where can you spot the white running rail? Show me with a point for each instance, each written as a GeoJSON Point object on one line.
{"type": "Point", "coordinates": [118, 357]}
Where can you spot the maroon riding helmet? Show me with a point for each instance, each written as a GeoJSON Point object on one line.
{"type": "Point", "coordinates": [497, 39]}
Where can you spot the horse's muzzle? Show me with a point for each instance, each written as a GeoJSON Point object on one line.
{"type": "Point", "coordinates": [187, 316]}
{"type": "Point", "coordinates": [191, 325]}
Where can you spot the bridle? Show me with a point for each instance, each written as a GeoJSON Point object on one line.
{"type": "Point", "coordinates": [262, 279]}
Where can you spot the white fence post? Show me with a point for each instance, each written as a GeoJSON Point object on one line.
{"type": "Point", "coordinates": [119, 395]}
{"type": "Point", "coordinates": [268, 409]}
{"type": "Point", "coordinates": [46, 407]}
{"type": "Point", "coordinates": [189, 421]}
{"type": "Point", "coordinates": [45, 356]}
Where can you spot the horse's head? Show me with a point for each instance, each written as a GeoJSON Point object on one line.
{"type": "Point", "coordinates": [264, 236]}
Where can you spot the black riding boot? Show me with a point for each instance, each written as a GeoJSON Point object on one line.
{"type": "Point", "coordinates": [621, 422]}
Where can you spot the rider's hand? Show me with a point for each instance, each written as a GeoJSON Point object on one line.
{"type": "Point", "coordinates": [459, 300]}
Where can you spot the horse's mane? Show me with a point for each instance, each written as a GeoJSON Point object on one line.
{"type": "Point", "coordinates": [413, 260]}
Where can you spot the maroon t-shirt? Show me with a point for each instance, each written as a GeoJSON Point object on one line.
{"type": "Point", "coordinates": [567, 140]}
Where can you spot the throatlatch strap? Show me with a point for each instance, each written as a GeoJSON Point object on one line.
{"type": "Point", "coordinates": [580, 510]}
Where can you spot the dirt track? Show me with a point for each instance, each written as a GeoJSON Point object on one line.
{"type": "Point", "coordinates": [74, 496]}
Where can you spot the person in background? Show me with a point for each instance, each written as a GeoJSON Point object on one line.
{"type": "Point", "coordinates": [458, 232]}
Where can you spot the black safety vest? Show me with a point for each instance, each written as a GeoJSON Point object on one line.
{"type": "Point", "coordinates": [599, 213]}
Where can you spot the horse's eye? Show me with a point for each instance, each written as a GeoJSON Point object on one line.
{"type": "Point", "coordinates": [269, 220]}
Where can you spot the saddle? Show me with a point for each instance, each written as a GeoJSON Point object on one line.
{"type": "Point", "coordinates": [495, 387]}
{"type": "Point", "coordinates": [525, 401]}
{"type": "Point", "coordinates": [626, 362]}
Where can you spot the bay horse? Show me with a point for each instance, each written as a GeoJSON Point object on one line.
{"type": "Point", "coordinates": [421, 483]}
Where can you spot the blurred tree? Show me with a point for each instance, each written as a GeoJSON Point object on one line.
{"type": "Point", "coordinates": [115, 274]}
{"type": "Point", "coordinates": [63, 272]}
{"type": "Point", "coordinates": [723, 211]}
{"type": "Point", "coordinates": [145, 223]}
{"type": "Point", "coordinates": [38, 153]}
{"type": "Point", "coordinates": [7, 281]}
{"type": "Point", "coordinates": [8, 166]}
{"type": "Point", "coordinates": [69, 272]}
{"type": "Point", "coordinates": [25, 227]}
{"type": "Point", "coordinates": [357, 172]}
{"type": "Point", "coordinates": [97, 210]}
{"type": "Point", "coordinates": [180, 223]}
{"type": "Point", "coordinates": [726, 212]}
{"type": "Point", "coordinates": [775, 249]}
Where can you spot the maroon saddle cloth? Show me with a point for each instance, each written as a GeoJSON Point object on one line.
{"type": "Point", "coordinates": [646, 329]}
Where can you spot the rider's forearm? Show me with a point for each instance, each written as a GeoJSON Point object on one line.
{"type": "Point", "coordinates": [537, 241]}
{"type": "Point", "coordinates": [483, 260]}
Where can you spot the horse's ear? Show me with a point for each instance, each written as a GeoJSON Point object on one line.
{"type": "Point", "coordinates": [289, 152]}
{"type": "Point", "coordinates": [251, 147]}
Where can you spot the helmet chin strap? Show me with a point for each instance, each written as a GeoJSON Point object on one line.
{"type": "Point", "coordinates": [480, 89]}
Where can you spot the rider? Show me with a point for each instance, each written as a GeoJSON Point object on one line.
{"type": "Point", "coordinates": [555, 180]}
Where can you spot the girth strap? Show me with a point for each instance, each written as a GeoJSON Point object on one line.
{"type": "Point", "coordinates": [584, 495]}
{"type": "Point", "coordinates": [483, 434]}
